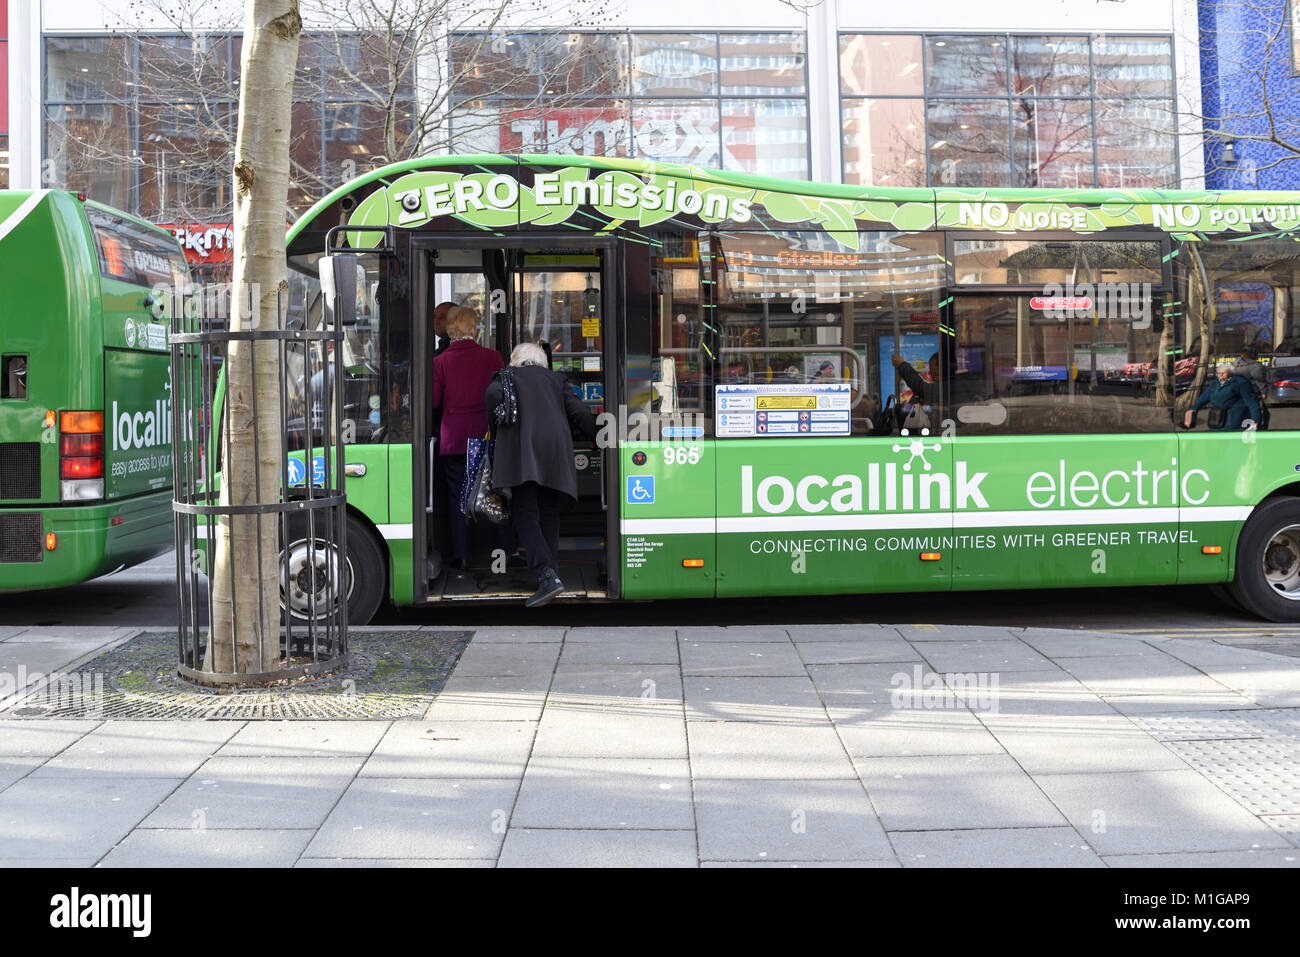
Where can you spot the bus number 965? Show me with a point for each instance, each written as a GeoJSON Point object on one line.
{"type": "Point", "coordinates": [681, 455]}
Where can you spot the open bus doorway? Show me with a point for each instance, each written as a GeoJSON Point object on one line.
{"type": "Point", "coordinates": [560, 295]}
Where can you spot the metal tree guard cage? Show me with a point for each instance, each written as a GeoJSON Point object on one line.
{"type": "Point", "coordinates": [306, 505]}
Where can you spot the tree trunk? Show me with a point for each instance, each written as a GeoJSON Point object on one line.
{"type": "Point", "coordinates": [245, 634]}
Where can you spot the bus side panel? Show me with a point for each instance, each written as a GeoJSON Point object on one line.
{"type": "Point", "coordinates": [1078, 510]}
{"type": "Point", "coordinates": [1225, 476]}
{"type": "Point", "coordinates": [833, 516]}
{"type": "Point", "coordinates": [137, 422]}
{"type": "Point", "coordinates": [667, 505]}
{"type": "Point", "coordinates": [401, 509]}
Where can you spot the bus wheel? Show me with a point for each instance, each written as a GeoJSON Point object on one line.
{"type": "Point", "coordinates": [1267, 580]}
{"type": "Point", "coordinates": [304, 589]}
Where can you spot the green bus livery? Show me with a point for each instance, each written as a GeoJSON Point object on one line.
{"type": "Point", "coordinates": [820, 389]}
{"type": "Point", "coordinates": [85, 390]}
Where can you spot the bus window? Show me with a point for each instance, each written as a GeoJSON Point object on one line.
{"type": "Point", "coordinates": [1247, 317]}
{"type": "Point", "coordinates": [1026, 366]}
{"type": "Point", "coordinates": [1035, 262]}
{"type": "Point", "coordinates": [136, 254]}
{"type": "Point", "coordinates": [680, 377]}
{"type": "Point", "coordinates": [799, 307]}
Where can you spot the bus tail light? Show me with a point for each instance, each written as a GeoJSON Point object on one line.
{"type": "Point", "coordinates": [81, 456]}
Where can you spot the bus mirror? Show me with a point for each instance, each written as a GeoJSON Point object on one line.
{"type": "Point", "coordinates": [338, 282]}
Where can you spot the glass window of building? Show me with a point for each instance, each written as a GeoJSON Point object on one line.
{"type": "Point", "coordinates": [1007, 110]}
{"type": "Point", "coordinates": [737, 101]}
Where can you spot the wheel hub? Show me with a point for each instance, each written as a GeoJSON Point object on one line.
{"type": "Point", "coordinates": [1281, 562]}
{"type": "Point", "coordinates": [309, 578]}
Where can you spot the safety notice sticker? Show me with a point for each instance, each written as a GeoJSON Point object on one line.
{"type": "Point", "coordinates": [784, 411]}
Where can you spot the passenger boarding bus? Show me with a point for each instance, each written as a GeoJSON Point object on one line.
{"type": "Point", "coordinates": [85, 400]}
{"type": "Point", "coordinates": [811, 389]}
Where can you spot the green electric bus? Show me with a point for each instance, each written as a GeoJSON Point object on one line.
{"type": "Point", "coordinates": [825, 389]}
{"type": "Point", "coordinates": [85, 400]}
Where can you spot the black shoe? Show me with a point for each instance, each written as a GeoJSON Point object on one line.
{"type": "Point", "coordinates": [549, 587]}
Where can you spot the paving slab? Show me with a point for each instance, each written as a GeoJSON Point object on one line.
{"type": "Point", "coordinates": [501, 659]}
{"type": "Point", "coordinates": [316, 739]}
{"type": "Point", "coordinates": [802, 634]}
{"type": "Point", "coordinates": [617, 685]}
{"type": "Point", "coordinates": [417, 819]}
{"type": "Point", "coordinates": [741, 659]}
{"type": "Point", "coordinates": [923, 632]}
{"type": "Point", "coordinates": [625, 650]}
{"type": "Point", "coordinates": [526, 847]}
{"type": "Point", "coordinates": [796, 865]}
{"type": "Point", "coordinates": [371, 862]}
{"type": "Point", "coordinates": [1288, 825]}
{"type": "Point", "coordinates": [41, 737]}
{"type": "Point", "coordinates": [9, 631]}
{"type": "Point", "coordinates": [1137, 704]}
{"type": "Point", "coordinates": [1151, 812]}
{"type": "Point", "coordinates": [917, 731]}
{"type": "Point", "coordinates": [46, 818]}
{"type": "Point", "coordinates": [141, 749]}
{"type": "Point", "coordinates": [532, 634]}
{"type": "Point", "coordinates": [648, 636]}
{"type": "Point", "coordinates": [452, 749]}
{"type": "Point", "coordinates": [490, 699]}
{"type": "Point", "coordinates": [56, 862]}
{"type": "Point", "coordinates": [787, 821]}
{"type": "Point", "coordinates": [878, 647]}
{"type": "Point", "coordinates": [996, 847]}
{"type": "Point", "coordinates": [94, 635]}
{"type": "Point", "coordinates": [942, 793]}
{"type": "Point", "coordinates": [610, 793]}
{"type": "Point", "coordinates": [1140, 675]}
{"type": "Point", "coordinates": [1208, 860]}
{"type": "Point", "coordinates": [1060, 744]}
{"type": "Point", "coordinates": [746, 749]}
{"type": "Point", "coordinates": [732, 633]}
{"type": "Point", "coordinates": [208, 848]}
{"type": "Point", "coordinates": [635, 731]}
{"type": "Point", "coordinates": [257, 793]}
{"type": "Point", "coordinates": [1029, 693]}
{"type": "Point", "coordinates": [865, 689]}
{"type": "Point", "coordinates": [1083, 644]}
{"type": "Point", "coordinates": [787, 700]}
{"type": "Point", "coordinates": [986, 655]}
{"type": "Point", "coordinates": [16, 768]}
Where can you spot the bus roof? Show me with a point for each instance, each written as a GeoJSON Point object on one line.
{"type": "Point", "coordinates": [840, 208]}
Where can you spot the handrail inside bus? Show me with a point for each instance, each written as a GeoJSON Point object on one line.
{"type": "Point", "coordinates": [858, 362]}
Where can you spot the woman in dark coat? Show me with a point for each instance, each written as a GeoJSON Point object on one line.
{"type": "Point", "coordinates": [534, 459]}
{"type": "Point", "coordinates": [460, 374]}
{"type": "Point", "coordinates": [1235, 395]}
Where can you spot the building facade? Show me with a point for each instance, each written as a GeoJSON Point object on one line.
{"type": "Point", "coordinates": [141, 115]}
{"type": "Point", "coordinates": [1250, 67]}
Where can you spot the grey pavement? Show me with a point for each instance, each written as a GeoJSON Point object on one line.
{"type": "Point", "coordinates": [808, 745]}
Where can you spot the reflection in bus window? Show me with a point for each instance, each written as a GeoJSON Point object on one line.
{"type": "Point", "coordinates": [1241, 309]}
{"type": "Point", "coordinates": [799, 308]}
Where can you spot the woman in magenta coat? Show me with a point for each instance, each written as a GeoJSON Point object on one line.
{"type": "Point", "coordinates": [460, 376]}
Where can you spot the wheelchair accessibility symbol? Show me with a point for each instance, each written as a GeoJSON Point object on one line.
{"type": "Point", "coordinates": [640, 489]}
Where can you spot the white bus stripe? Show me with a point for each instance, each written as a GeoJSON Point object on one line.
{"type": "Point", "coordinates": [396, 532]}
{"type": "Point", "coordinates": [19, 214]}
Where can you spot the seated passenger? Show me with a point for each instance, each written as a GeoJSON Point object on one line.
{"type": "Point", "coordinates": [1230, 393]}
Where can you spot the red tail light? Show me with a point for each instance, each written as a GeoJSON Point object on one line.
{"type": "Point", "coordinates": [81, 455]}
{"type": "Point", "coordinates": [81, 467]}
{"type": "Point", "coordinates": [90, 444]}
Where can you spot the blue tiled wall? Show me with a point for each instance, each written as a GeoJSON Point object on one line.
{"type": "Point", "coordinates": [1234, 48]}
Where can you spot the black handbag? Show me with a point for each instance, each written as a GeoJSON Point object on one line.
{"type": "Point", "coordinates": [1217, 417]}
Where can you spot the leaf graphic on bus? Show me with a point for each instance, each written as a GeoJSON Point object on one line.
{"type": "Point", "coordinates": [729, 194]}
{"type": "Point", "coordinates": [788, 208]}
{"type": "Point", "coordinates": [490, 215]}
{"type": "Point", "coordinates": [662, 209]}
{"type": "Point", "coordinates": [371, 211]}
{"type": "Point", "coordinates": [410, 200]}
{"type": "Point", "coordinates": [837, 218]}
{"type": "Point", "coordinates": [914, 216]}
{"type": "Point", "coordinates": [631, 194]}
{"type": "Point", "coordinates": [878, 210]}
{"type": "Point", "coordinates": [551, 214]}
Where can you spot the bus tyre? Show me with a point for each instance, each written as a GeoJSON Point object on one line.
{"type": "Point", "coordinates": [1267, 580]}
{"type": "Point", "coordinates": [304, 595]}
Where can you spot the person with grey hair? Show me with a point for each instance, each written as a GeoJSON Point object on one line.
{"type": "Point", "coordinates": [534, 459]}
{"type": "Point", "coordinates": [1230, 398]}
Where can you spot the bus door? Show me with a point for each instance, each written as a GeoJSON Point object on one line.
{"type": "Point", "coordinates": [561, 294]}
{"type": "Point", "coordinates": [1065, 459]}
